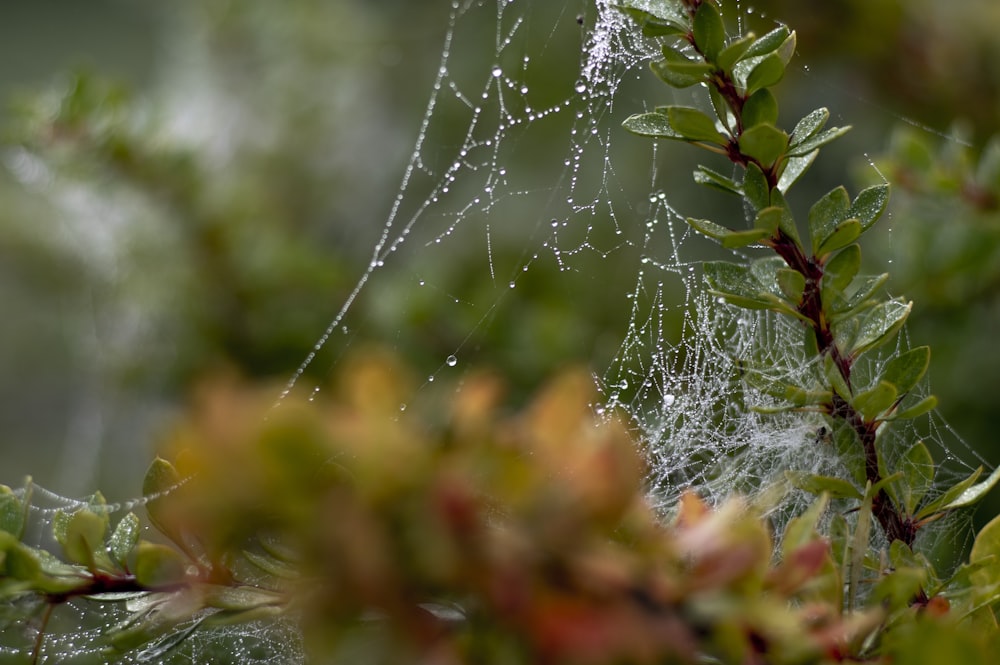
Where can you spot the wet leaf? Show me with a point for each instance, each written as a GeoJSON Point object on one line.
{"type": "Point", "coordinates": [826, 214]}
{"type": "Point", "coordinates": [83, 536]}
{"type": "Point", "coordinates": [918, 468]}
{"type": "Point", "coordinates": [755, 187]}
{"type": "Point", "coordinates": [905, 370]}
{"type": "Point", "coordinates": [843, 234]}
{"type": "Point", "coordinates": [808, 126]}
{"type": "Point", "coordinates": [872, 402]}
{"type": "Point", "coordinates": [710, 178]}
{"type": "Point", "coordinates": [837, 488]}
{"type": "Point", "coordinates": [794, 168]}
{"type": "Point", "coordinates": [926, 404]}
{"type": "Point", "coordinates": [734, 52]}
{"type": "Point", "coordinates": [817, 141]}
{"type": "Point", "coordinates": [792, 284]}
{"type": "Point", "coordinates": [679, 71]}
{"type": "Point", "coordinates": [973, 494]}
{"type": "Point", "coordinates": [161, 479]}
{"type": "Point", "coordinates": [693, 125]}
{"type": "Point", "coordinates": [768, 43]}
{"type": "Point", "coordinates": [709, 31]}
{"type": "Point", "coordinates": [876, 325]}
{"type": "Point", "coordinates": [764, 143]}
{"type": "Point", "coordinates": [841, 269]}
{"type": "Point", "coordinates": [736, 284]}
{"type": "Point", "coordinates": [869, 205]}
{"type": "Point", "coordinates": [768, 72]}
{"type": "Point", "coordinates": [655, 125]}
{"type": "Point", "coordinates": [761, 108]}
{"type": "Point", "coordinates": [124, 539]}
{"type": "Point", "coordinates": [727, 237]}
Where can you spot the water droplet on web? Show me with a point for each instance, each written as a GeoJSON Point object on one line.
{"type": "Point", "coordinates": [402, 407]}
{"type": "Point", "coordinates": [430, 379]}
{"type": "Point", "coordinates": [581, 87]}
{"type": "Point", "coordinates": [524, 89]}
{"type": "Point", "coordinates": [511, 284]}
{"type": "Point", "coordinates": [451, 361]}
{"type": "Point", "coordinates": [497, 72]}
{"type": "Point", "coordinates": [502, 172]}
{"type": "Point", "coordinates": [668, 400]}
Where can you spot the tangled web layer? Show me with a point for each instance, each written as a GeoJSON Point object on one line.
{"type": "Point", "coordinates": [676, 374]}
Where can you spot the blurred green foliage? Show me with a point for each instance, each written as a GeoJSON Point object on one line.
{"type": "Point", "coordinates": [489, 537]}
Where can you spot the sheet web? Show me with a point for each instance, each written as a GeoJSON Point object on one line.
{"type": "Point", "coordinates": [595, 198]}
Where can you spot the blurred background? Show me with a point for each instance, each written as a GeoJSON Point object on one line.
{"type": "Point", "coordinates": [196, 187]}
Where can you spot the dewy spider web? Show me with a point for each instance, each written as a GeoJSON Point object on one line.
{"type": "Point", "coordinates": [596, 197]}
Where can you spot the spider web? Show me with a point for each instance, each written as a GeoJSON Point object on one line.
{"type": "Point", "coordinates": [597, 201]}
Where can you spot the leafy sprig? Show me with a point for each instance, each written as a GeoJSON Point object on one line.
{"type": "Point", "coordinates": [816, 280]}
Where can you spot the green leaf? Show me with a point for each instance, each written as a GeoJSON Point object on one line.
{"type": "Point", "coordinates": [710, 178]}
{"type": "Point", "coordinates": [794, 168]}
{"type": "Point", "coordinates": [817, 141]}
{"type": "Point", "coordinates": [679, 71]}
{"type": "Point", "coordinates": [861, 290]}
{"type": "Point", "coordinates": [764, 143]}
{"type": "Point", "coordinates": [836, 379]}
{"type": "Point", "coordinates": [769, 219]}
{"type": "Point", "coordinates": [926, 404]}
{"type": "Point", "coordinates": [802, 529]}
{"type": "Point", "coordinates": [722, 110]}
{"type": "Point", "coordinates": [655, 125]}
{"type": "Point", "coordinates": [843, 234]}
{"type": "Point", "coordinates": [897, 589]}
{"type": "Point", "coordinates": [768, 43]}
{"type": "Point", "coordinates": [905, 370]}
{"type": "Point", "coordinates": [83, 536]}
{"type": "Point", "coordinates": [877, 325]}
{"type": "Point", "coordinates": [664, 23]}
{"type": "Point", "coordinates": [869, 205]}
{"type": "Point", "coordinates": [158, 566]}
{"type": "Point", "coordinates": [987, 547]}
{"type": "Point", "coordinates": [918, 468]}
{"type": "Point", "coordinates": [872, 402]}
{"type": "Point", "coordinates": [736, 284]}
{"type": "Point", "coordinates": [837, 488]}
{"type": "Point", "coordinates": [826, 214]}
{"type": "Point", "coordinates": [755, 187]}
{"type": "Point", "coordinates": [709, 31]}
{"type": "Point", "coordinates": [693, 125]}
{"type": "Point", "coordinates": [808, 126]}
{"type": "Point", "coordinates": [760, 109]}
{"type": "Point", "coordinates": [972, 494]}
{"type": "Point", "coordinates": [124, 538]}
{"type": "Point", "coordinates": [734, 52]}
{"type": "Point", "coordinates": [17, 561]}
{"type": "Point", "coordinates": [768, 72]}
{"type": "Point", "coordinates": [11, 512]}
{"type": "Point", "coordinates": [840, 270]}
{"type": "Point", "coordinates": [792, 284]}
{"type": "Point", "coordinates": [161, 479]}
{"type": "Point", "coordinates": [727, 237]}
{"type": "Point", "coordinates": [943, 502]}
{"type": "Point", "coordinates": [787, 223]}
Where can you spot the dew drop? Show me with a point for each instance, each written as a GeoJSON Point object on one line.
{"type": "Point", "coordinates": [451, 361]}
{"type": "Point", "coordinates": [497, 72]}
{"type": "Point", "coordinates": [668, 400]}
{"type": "Point", "coordinates": [512, 284]}
{"type": "Point", "coordinates": [402, 407]}
{"type": "Point", "coordinates": [581, 87]}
